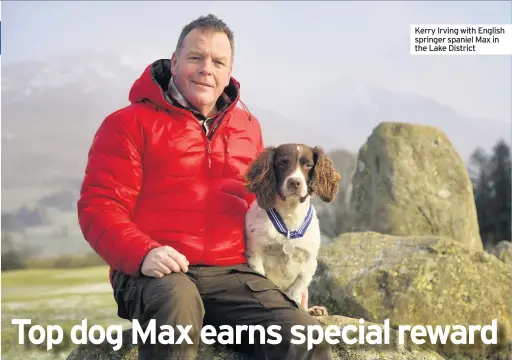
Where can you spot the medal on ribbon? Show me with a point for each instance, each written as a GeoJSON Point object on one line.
{"type": "Point", "coordinates": [289, 245]}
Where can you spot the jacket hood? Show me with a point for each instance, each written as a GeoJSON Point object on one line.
{"type": "Point", "coordinates": [154, 80]}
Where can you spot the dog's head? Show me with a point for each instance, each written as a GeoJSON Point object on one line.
{"type": "Point", "coordinates": [292, 170]}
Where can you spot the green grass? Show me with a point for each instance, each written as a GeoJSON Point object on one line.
{"type": "Point", "coordinates": [54, 297]}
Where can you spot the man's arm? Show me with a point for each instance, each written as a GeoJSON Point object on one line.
{"type": "Point", "coordinates": [110, 189]}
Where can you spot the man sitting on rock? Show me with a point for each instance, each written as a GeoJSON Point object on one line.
{"type": "Point", "coordinates": [163, 202]}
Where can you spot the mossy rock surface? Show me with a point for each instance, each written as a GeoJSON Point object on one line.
{"type": "Point", "coordinates": [411, 181]}
{"type": "Point", "coordinates": [341, 351]}
{"type": "Point", "coordinates": [414, 280]}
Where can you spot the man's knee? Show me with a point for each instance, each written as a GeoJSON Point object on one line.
{"type": "Point", "coordinates": [172, 300]}
{"type": "Point", "coordinates": [176, 289]}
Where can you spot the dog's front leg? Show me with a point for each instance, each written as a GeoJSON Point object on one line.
{"type": "Point", "coordinates": [299, 288]}
{"type": "Point", "coordinates": [305, 299]}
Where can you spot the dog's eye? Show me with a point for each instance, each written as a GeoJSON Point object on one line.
{"type": "Point", "coordinates": [308, 166]}
{"type": "Point", "coordinates": [282, 162]}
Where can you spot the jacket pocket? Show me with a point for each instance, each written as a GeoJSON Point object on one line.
{"type": "Point", "coordinates": [268, 294]}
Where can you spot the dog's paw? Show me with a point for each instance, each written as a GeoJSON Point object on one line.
{"type": "Point", "coordinates": [318, 311]}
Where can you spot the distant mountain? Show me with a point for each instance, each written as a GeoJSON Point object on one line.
{"type": "Point", "coordinates": [50, 112]}
{"type": "Point", "coordinates": [351, 109]}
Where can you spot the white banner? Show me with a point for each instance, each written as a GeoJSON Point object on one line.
{"type": "Point", "coordinates": [461, 39]}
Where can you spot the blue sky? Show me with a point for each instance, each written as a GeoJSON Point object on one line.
{"type": "Point", "coordinates": [283, 46]}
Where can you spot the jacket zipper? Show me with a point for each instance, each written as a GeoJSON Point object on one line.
{"type": "Point", "coordinates": [208, 139]}
{"type": "Point", "coordinates": [209, 151]}
{"type": "Point", "coordinates": [226, 150]}
{"type": "Point", "coordinates": [209, 170]}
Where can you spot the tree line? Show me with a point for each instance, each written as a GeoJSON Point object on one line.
{"type": "Point", "coordinates": [490, 174]}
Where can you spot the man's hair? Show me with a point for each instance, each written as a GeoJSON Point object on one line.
{"type": "Point", "coordinates": [207, 23]}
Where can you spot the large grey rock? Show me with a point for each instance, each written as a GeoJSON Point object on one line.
{"type": "Point", "coordinates": [415, 280]}
{"type": "Point", "coordinates": [391, 351]}
{"type": "Point", "coordinates": [411, 181]}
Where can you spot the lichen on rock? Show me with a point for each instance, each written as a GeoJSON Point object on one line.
{"type": "Point", "coordinates": [425, 280]}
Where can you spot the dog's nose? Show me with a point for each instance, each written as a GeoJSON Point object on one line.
{"type": "Point", "coordinates": [293, 183]}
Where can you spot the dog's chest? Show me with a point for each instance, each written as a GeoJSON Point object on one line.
{"type": "Point", "coordinates": [286, 267]}
{"type": "Point", "coordinates": [280, 267]}
{"type": "Point", "coordinates": [263, 233]}
{"type": "Point", "coordinates": [267, 242]}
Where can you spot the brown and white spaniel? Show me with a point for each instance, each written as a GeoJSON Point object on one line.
{"type": "Point", "coordinates": [282, 228]}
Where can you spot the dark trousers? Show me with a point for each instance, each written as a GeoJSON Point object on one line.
{"type": "Point", "coordinates": [232, 295]}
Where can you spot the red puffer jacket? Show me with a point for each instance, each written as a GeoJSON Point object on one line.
{"type": "Point", "coordinates": [153, 178]}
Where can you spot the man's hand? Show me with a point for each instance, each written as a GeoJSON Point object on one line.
{"type": "Point", "coordinates": [162, 261]}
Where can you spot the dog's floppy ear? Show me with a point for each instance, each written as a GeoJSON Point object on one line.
{"type": "Point", "coordinates": [326, 179]}
{"type": "Point", "coordinates": [261, 179]}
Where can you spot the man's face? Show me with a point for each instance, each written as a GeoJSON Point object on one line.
{"type": "Point", "coordinates": [202, 68]}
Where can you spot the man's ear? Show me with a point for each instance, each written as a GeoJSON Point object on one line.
{"type": "Point", "coordinates": [173, 63]}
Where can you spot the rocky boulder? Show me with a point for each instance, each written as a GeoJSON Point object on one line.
{"type": "Point", "coordinates": [415, 280]}
{"type": "Point", "coordinates": [410, 180]}
{"type": "Point", "coordinates": [394, 350]}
